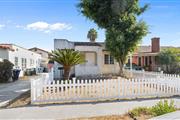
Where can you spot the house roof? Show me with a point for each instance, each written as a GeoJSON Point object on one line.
{"type": "Point", "coordinates": [39, 49]}
{"type": "Point", "coordinates": [6, 46]}
{"type": "Point", "coordinates": [86, 44]}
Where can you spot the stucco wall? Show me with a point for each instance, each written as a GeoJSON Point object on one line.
{"type": "Point", "coordinates": [44, 57]}
{"type": "Point", "coordinates": [89, 68]}
{"type": "Point", "coordinates": [28, 55]}
{"type": "Point", "coordinates": [109, 68]}
{"type": "Point", "coordinates": [4, 54]}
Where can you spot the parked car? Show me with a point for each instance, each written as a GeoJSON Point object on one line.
{"type": "Point", "coordinates": [134, 67]}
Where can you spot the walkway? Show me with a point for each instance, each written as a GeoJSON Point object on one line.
{"type": "Point", "coordinates": [9, 91]}
{"type": "Point", "coordinates": [68, 111]}
{"type": "Point", "coordinates": [169, 116]}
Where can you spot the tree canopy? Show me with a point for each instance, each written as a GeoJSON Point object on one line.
{"type": "Point", "coordinates": [120, 20]}
{"type": "Point", "coordinates": [108, 13]}
{"type": "Point", "coordinates": [170, 58]}
{"type": "Point", "coordinates": [92, 34]}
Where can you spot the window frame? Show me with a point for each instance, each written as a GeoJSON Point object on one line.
{"type": "Point", "coordinates": [16, 61]}
{"type": "Point", "coordinates": [108, 59]}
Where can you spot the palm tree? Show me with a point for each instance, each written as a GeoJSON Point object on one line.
{"type": "Point", "coordinates": [68, 58]}
{"type": "Point", "coordinates": [92, 35]}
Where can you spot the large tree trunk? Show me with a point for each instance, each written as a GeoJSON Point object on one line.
{"type": "Point", "coordinates": [167, 69]}
{"type": "Point", "coordinates": [120, 62]}
{"type": "Point", "coordinates": [67, 70]}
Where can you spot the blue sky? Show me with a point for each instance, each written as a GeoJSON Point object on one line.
{"type": "Point", "coordinates": [31, 23]}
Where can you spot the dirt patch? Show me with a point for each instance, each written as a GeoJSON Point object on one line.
{"type": "Point", "coordinates": [116, 117]}
{"type": "Point", "coordinates": [112, 117]}
{"type": "Point", "coordinates": [21, 101]}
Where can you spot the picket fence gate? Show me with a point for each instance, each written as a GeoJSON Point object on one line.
{"type": "Point", "coordinates": [96, 90]}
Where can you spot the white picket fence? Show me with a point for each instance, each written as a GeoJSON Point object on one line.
{"type": "Point", "coordinates": [146, 74]}
{"type": "Point", "coordinates": [97, 90]}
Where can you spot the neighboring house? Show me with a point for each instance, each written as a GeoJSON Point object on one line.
{"type": "Point", "coordinates": [44, 57]}
{"type": "Point", "coordinates": [21, 58]}
{"type": "Point", "coordinates": [147, 56]}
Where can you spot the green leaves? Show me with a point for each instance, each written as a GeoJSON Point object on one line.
{"type": "Point", "coordinates": [5, 70]}
{"type": "Point", "coordinates": [163, 108]}
{"type": "Point", "coordinates": [119, 19]}
{"type": "Point", "coordinates": [92, 34]}
{"type": "Point", "coordinates": [107, 12]}
{"type": "Point", "coordinates": [170, 55]}
{"type": "Point", "coordinates": [171, 59]}
{"type": "Point", "coordinates": [67, 57]}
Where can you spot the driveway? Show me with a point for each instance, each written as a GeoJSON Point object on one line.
{"type": "Point", "coordinates": [9, 91]}
{"type": "Point", "coordinates": [68, 111]}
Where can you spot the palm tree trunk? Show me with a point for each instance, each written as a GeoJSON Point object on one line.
{"type": "Point", "coordinates": [66, 72]}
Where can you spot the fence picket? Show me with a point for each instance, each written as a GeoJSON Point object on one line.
{"type": "Point", "coordinates": [157, 85]}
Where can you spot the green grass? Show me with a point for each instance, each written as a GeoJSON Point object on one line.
{"type": "Point", "coordinates": [160, 108]}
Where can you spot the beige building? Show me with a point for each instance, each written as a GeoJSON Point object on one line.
{"type": "Point", "coordinates": [44, 57]}
{"type": "Point", "coordinates": [98, 59]}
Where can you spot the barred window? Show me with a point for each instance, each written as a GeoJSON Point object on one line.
{"type": "Point", "coordinates": [111, 59]}
{"type": "Point", "coordinates": [108, 59]}
{"type": "Point", "coordinates": [16, 61]}
{"type": "Point", "coordinates": [24, 63]}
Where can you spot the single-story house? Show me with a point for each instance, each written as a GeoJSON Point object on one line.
{"type": "Point", "coordinates": [44, 57]}
{"type": "Point", "coordinates": [21, 58]}
{"type": "Point", "coordinates": [99, 60]}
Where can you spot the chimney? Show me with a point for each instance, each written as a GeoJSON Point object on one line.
{"type": "Point", "coordinates": [155, 44]}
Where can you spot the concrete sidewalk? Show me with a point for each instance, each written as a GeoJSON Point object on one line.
{"type": "Point", "coordinates": [9, 91]}
{"type": "Point", "coordinates": [169, 116]}
{"type": "Point", "coordinates": [68, 111]}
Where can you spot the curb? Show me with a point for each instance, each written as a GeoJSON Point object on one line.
{"type": "Point", "coordinates": [9, 102]}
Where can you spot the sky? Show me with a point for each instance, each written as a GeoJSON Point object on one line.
{"type": "Point", "coordinates": [36, 23]}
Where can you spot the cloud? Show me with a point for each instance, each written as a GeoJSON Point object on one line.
{"type": "Point", "coordinates": [47, 27]}
{"type": "Point", "coordinates": [19, 26]}
{"type": "Point", "coordinates": [1, 26]}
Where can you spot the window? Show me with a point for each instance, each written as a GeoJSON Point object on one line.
{"type": "Point", "coordinates": [108, 59]}
{"type": "Point", "coordinates": [111, 60]}
{"type": "Point", "coordinates": [16, 61]}
{"type": "Point", "coordinates": [31, 62]}
{"type": "Point", "coordinates": [24, 63]}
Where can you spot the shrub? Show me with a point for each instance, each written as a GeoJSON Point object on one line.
{"type": "Point", "coordinates": [163, 108]}
{"type": "Point", "coordinates": [159, 109]}
{"type": "Point", "coordinates": [5, 71]}
{"type": "Point", "coordinates": [140, 110]}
